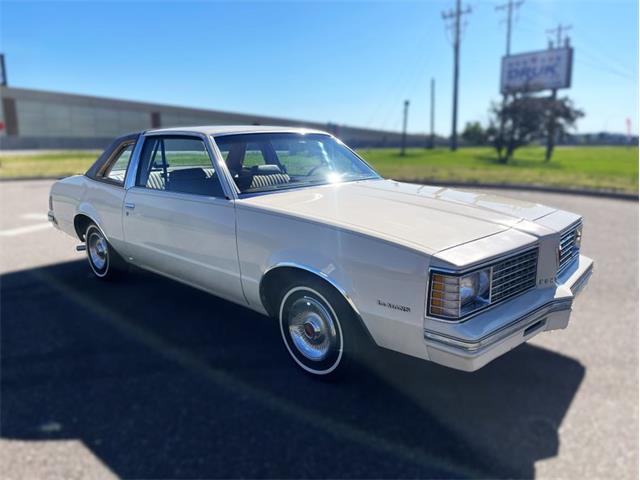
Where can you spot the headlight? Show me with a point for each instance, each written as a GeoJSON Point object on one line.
{"type": "Point", "coordinates": [455, 296]}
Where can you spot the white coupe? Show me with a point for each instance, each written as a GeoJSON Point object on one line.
{"type": "Point", "coordinates": [293, 224]}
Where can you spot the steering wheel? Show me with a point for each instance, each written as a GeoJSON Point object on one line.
{"type": "Point", "coordinates": [312, 171]}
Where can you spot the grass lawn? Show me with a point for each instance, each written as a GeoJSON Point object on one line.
{"type": "Point", "coordinates": [610, 168]}
{"type": "Point", "coordinates": [46, 164]}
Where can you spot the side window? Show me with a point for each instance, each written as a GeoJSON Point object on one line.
{"type": "Point", "coordinates": [178, 164]}
{"type": "Point", "coordinates": [117, 167]}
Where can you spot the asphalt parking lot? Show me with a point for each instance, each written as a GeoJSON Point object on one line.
{"type": "Point", "coordinates": [148, 378]}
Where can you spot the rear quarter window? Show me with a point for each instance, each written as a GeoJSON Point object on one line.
{"type": "Point", "coordinates": [117, 168]}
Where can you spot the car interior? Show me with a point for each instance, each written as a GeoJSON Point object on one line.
{"type": "Point", "coordinates": [249, 177]}
{"type": "Point", "coordinates": [179, 165]}
{"type": "Point", "coordinates": [182, 164]}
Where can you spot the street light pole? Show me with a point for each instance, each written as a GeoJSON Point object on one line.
{"type": "Point", "coordinates": [404, 127]}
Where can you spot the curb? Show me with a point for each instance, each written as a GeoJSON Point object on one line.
{"type": "Point", "coordinates": [531, 188]}
{"type": "Point", "coordinates": [428, 181]}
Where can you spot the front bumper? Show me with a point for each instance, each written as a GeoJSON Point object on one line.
{"type": "Point", "coordinates": [469, 346]}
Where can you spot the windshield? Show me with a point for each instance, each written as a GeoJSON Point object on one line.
{"type": "Point", "coordinates": [273, 161]}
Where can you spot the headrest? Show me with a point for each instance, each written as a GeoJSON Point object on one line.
{"type": "Point", "coordinates": [235, 157]}
{"type": "Point", "coordinates": [188, 173]}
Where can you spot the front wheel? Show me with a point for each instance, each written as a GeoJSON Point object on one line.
{"type": "Point", "coordinates": [319, 329]}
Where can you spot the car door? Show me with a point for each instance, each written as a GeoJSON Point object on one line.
{"type": "Point", "coordinates": [177, 220]}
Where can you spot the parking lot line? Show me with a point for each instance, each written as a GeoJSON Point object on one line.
{"type": "Point", "coordinates": [14, 232]}
{"type": "Point", "coordinates": [34, 216]}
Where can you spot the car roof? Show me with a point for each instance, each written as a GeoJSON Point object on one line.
{"type": "Point", "coordinates": [233, 129]}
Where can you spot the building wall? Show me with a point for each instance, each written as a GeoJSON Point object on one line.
{"type": "Point", "coordinates": [33, 119]}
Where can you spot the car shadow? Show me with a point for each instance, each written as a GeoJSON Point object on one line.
{"type": "Point", "coordinates": [160, 380]}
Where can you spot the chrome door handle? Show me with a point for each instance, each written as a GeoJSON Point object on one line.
{"type": "Point", "coordinates": [129, 206]}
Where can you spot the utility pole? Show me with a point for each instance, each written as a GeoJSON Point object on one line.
{"type": "Point", "coordinates": [510, 7]}
{"type": "Point", "coordinates": [558, 31]}
{"type": "Point", "coordinates": [432, 136]}
{"type": "Point", "coordinates": [3, 71]}
{"type": "Point", "coordinates": [551, 128]}
{"type": "Point", "coordinates": [404, 128]}
{"type": "Point", "coordinates": [454, 16]}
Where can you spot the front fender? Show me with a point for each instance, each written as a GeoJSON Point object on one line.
{"type": "Point", "coordinates": [385, 283]}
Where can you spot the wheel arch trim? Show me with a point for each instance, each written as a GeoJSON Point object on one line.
{"type": "Point", "coordinates": [84, 213]}
{"type": "Point", "coordinates": [314, 271]}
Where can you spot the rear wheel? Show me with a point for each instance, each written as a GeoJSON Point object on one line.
{"type": "Point", "coordinates": [319, 328]}
{"type": "Point", "coordinates": [104, 261]}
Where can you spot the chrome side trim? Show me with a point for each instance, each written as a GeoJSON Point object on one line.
{"type": "Point", "coordinates": [93, 220]}
{"type": "Point", "coordinates": [132, 169]}
{"type": "Point", "coordinates": [521, 323]}
{"type": "Point", "coordinates": [317, 272]}
{"type": "Point", "coordinates": [229, 185]}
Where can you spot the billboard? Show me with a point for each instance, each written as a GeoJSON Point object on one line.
{"type": "Point", "coordinates": [543, 70]}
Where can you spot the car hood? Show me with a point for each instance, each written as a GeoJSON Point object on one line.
{"type": "Point", "coordinates": [419, 216]}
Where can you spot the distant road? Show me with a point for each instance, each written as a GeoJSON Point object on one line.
{"type": "Point", "coordinates": [148, 378]}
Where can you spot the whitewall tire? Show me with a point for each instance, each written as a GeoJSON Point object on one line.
{"type": "Point", "coordinates": [318, 328]}
{"type": "Point", "coordinates": [104, 261]}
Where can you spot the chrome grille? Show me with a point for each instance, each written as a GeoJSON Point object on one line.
{"type": "Point", "coordinates": [514, 275]}
{"type": "Point", "coordinates": [568, 248]}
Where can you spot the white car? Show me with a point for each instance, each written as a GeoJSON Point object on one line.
{"type": "Point", "coordinates": [293, 224]}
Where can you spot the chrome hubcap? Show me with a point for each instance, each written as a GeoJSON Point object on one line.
{"type": "Point", "coordinates": [98, 252]}
{"type": "Point", "coordinates": [311, 328]}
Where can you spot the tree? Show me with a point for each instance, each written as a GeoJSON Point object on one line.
{"type": "Point", "coordinates": [523, 117]}
{"type": "Point", "coordinates": [527, 118]}
{"type": "Point", "coordinates": [560, 116]}
{"type": "Point", "coordinates": [474, 133]}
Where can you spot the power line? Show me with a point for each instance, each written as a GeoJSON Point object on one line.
{"type": "Point", "coordinates": [405, 89]}
{"type": "Point", "coordinates": [604, 68]}
{"type": "Point", "coordinates": [585, 42]}
{"type": "Point", "coordinates": [454, 16]}
{"type": "Point", "coordinates": [396, 89]}
{"type": "Point", "coordinates": [605, 62]}
{"type": "Point", "coordinates": [602, 61]}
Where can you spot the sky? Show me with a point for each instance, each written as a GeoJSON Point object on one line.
{"type": "Point", "coordinates": [351, 63]}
